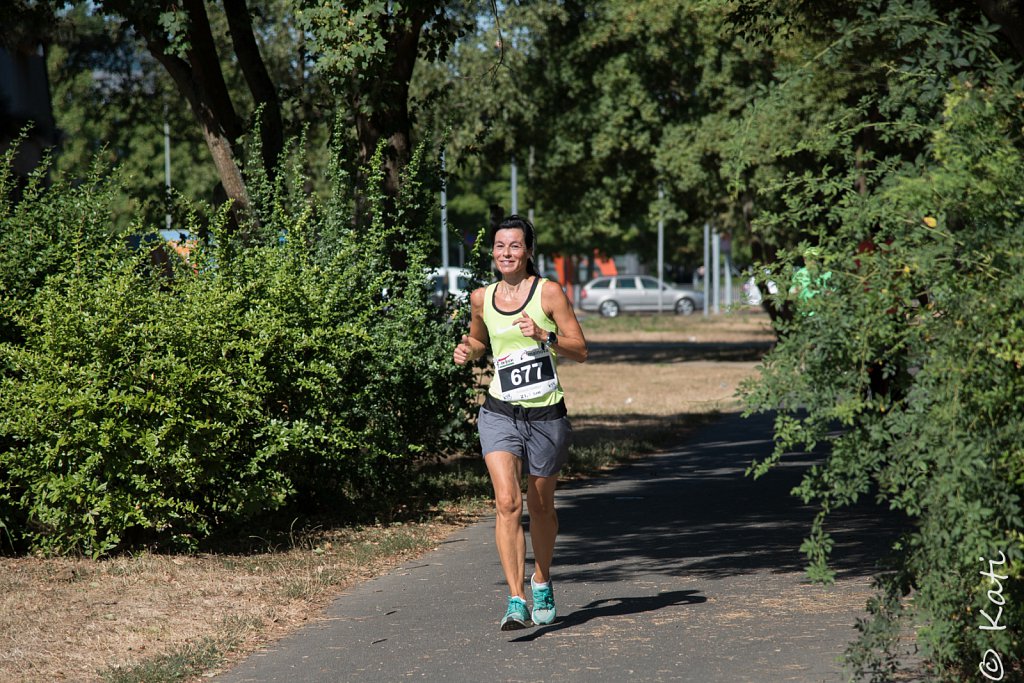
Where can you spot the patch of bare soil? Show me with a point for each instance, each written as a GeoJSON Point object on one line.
{"type": "Point", "coordinates": [76, 619]}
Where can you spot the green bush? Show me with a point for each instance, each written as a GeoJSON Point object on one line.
{"type": "Point", "coordinates": [283, 365]}
{"type": "Point", "coordinates": [909, 365]}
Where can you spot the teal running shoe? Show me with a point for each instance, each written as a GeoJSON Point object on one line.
{"type": "Point", "coordinates": [543, 603]}
{"type": "Point", "coordinates": [515, 616]}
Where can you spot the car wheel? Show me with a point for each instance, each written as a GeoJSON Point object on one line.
{"type": "Point", "coordinates": [685, 306]}
{"type": "Point", "coordinates": [609, 309]}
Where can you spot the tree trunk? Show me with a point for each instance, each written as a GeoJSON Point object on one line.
{"type": "Point", "coordinates": [384, 114]}
{"type": "Point", "coordinates": [264, 92]}
{"type": "Point", "coordinates": [200, 79]}
{"type": "Point", "coordinates": [388, 106]}
{"type": "Point", "coordinates": [220, 145]}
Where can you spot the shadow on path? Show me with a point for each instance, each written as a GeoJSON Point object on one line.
{"type": "Point", "coordinates": [614, 607]}
{"type": "Point", "coordinates": [660, 352]}
{"type": "Point", "coordinates": [694, 512]}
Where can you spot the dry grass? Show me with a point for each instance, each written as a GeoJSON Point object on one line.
{"type": "Point", "coordinates": [82, 620]}
{"type": "Point", "coordinates": [652, 389]}
{"type": "Point", "coordinates": [77, 620]}
{"type": "Point", "coordinates": [690, 367]}
{"type": "Point", "coordinates": [742, 326]}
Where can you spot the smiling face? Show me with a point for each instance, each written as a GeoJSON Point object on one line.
{"type": "Point", "coordinates": [510, 252]}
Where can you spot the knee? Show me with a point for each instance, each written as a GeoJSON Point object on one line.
{"type": "Point", "coordinates": [541, 507]}
{"type": "Point", "coordinates": [508, 504]}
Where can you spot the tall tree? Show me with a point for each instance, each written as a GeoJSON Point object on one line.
{"type": "Point", "coordinates": [368, 51]}
{"type": "Point", "coordinates": [224, 61]}
{"type": "Point", "coordinates": [180, 38]}
{"type": "Point", "coordinates": [618, 100]}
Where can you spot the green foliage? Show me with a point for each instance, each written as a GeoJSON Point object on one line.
{"type": "Point", "coordinates": [55, 228]}
{"type": "Point", "coordinates": [293, 367]}
{"type": "Point", "coordinates": [600, 104]}
{"type": "Point", "coordinates": [111, 100]}
{"type": "Point", "coordinates": [628, 98]}
{"type": "Point", "coordinates": [908, 365]}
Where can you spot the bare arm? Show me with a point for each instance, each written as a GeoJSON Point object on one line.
{"type": "Point", "coordinates": [474, 344]}
{"type": "Point", "coordinates": [571, 343]}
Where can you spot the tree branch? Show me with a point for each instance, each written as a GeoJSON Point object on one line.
{"type": "Point", "coordinates": [264, 92]}
{"type": "Point", "coordinates": [205, 63]}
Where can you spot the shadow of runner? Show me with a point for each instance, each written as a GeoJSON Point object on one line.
{"type": "Point", "coordinates": [614, 607]}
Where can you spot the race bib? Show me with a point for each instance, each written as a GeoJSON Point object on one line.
{"type": "Point", "coordinates": [525, 374]}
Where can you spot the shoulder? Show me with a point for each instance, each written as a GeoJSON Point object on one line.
{"type": "Point", "coordinates": [552, 293]}
{"type": "Point", "coordinates": [478, 294]}
{"type": "Point", "coordinates": [551, 288]}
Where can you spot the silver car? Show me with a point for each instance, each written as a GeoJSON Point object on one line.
{"type": "Point", "coordinates": [610, 295]}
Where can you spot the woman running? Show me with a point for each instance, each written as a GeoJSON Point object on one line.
{"type": "Point", "coordinates": [529, 324]}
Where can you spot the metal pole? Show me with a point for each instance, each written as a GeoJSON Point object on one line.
{"type": "Point", "coordinates": [727, 258]}
{"type": "Point", "coordinates": [728, 282]}
{"type": "Point", "coordinates": [716, 249]}
{"type": "Point", "coordinates": [661, 250]}
{"type": "Point", "coordinates": [515, 190]}
{"type": "Point", "coordinates": [707, 267]}
{"type": "Point", "coordinates": [444, 218]}
{"type": "Point", "coordinates": [167, 170]}
{"type": "Point", "coordinates": [529, 183]}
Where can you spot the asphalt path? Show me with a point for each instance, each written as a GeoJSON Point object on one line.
{"type": "Point", "coordinates": [677, 568]}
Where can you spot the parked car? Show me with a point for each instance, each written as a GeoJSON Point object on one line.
{"type": "Point", "coordinates": [454, 282]}
{"type": "Point", "coordinates": [611, 295]}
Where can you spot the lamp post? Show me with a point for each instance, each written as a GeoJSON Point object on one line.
{"type": "Point", "coordinates": [707, 266]}
{"type": "Point", "coordinates": [661, 248]}
{"type": "Point", "coordinates": [167, 171]}
{"type": "Point", "coordinates": [444, 218]}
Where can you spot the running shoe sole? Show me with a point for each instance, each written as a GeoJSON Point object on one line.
{"type": "Point", "coordinates": [514, 625]}
{"type": "Point", "coordinates": [515, 619]}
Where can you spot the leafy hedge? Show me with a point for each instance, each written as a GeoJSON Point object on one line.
{"type": "Point", "coordinates": [284, 365]}
{"type": "Point", "coordinates": [910, 362]}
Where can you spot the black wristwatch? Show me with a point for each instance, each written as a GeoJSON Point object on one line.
{"type": "Point", "coordinates": [551, 340]}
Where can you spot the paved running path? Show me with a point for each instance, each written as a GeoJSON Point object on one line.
{"type": "Point", "coordinates": [679, 568]}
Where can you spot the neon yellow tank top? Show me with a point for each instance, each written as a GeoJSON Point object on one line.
{"type": "Point", "coordinates": [527, 365]}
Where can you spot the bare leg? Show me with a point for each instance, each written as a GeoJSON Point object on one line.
{"type": "Point", "coordinates": [504, 469]}
{"type": "Point", "coordinates": [540, 501]}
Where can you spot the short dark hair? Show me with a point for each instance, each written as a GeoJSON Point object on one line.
{"type": "Point", "coordinates": [517, 222]}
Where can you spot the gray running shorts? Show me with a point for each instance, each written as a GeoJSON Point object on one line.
{"type": "Point", "coordinates": [542, 444]}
